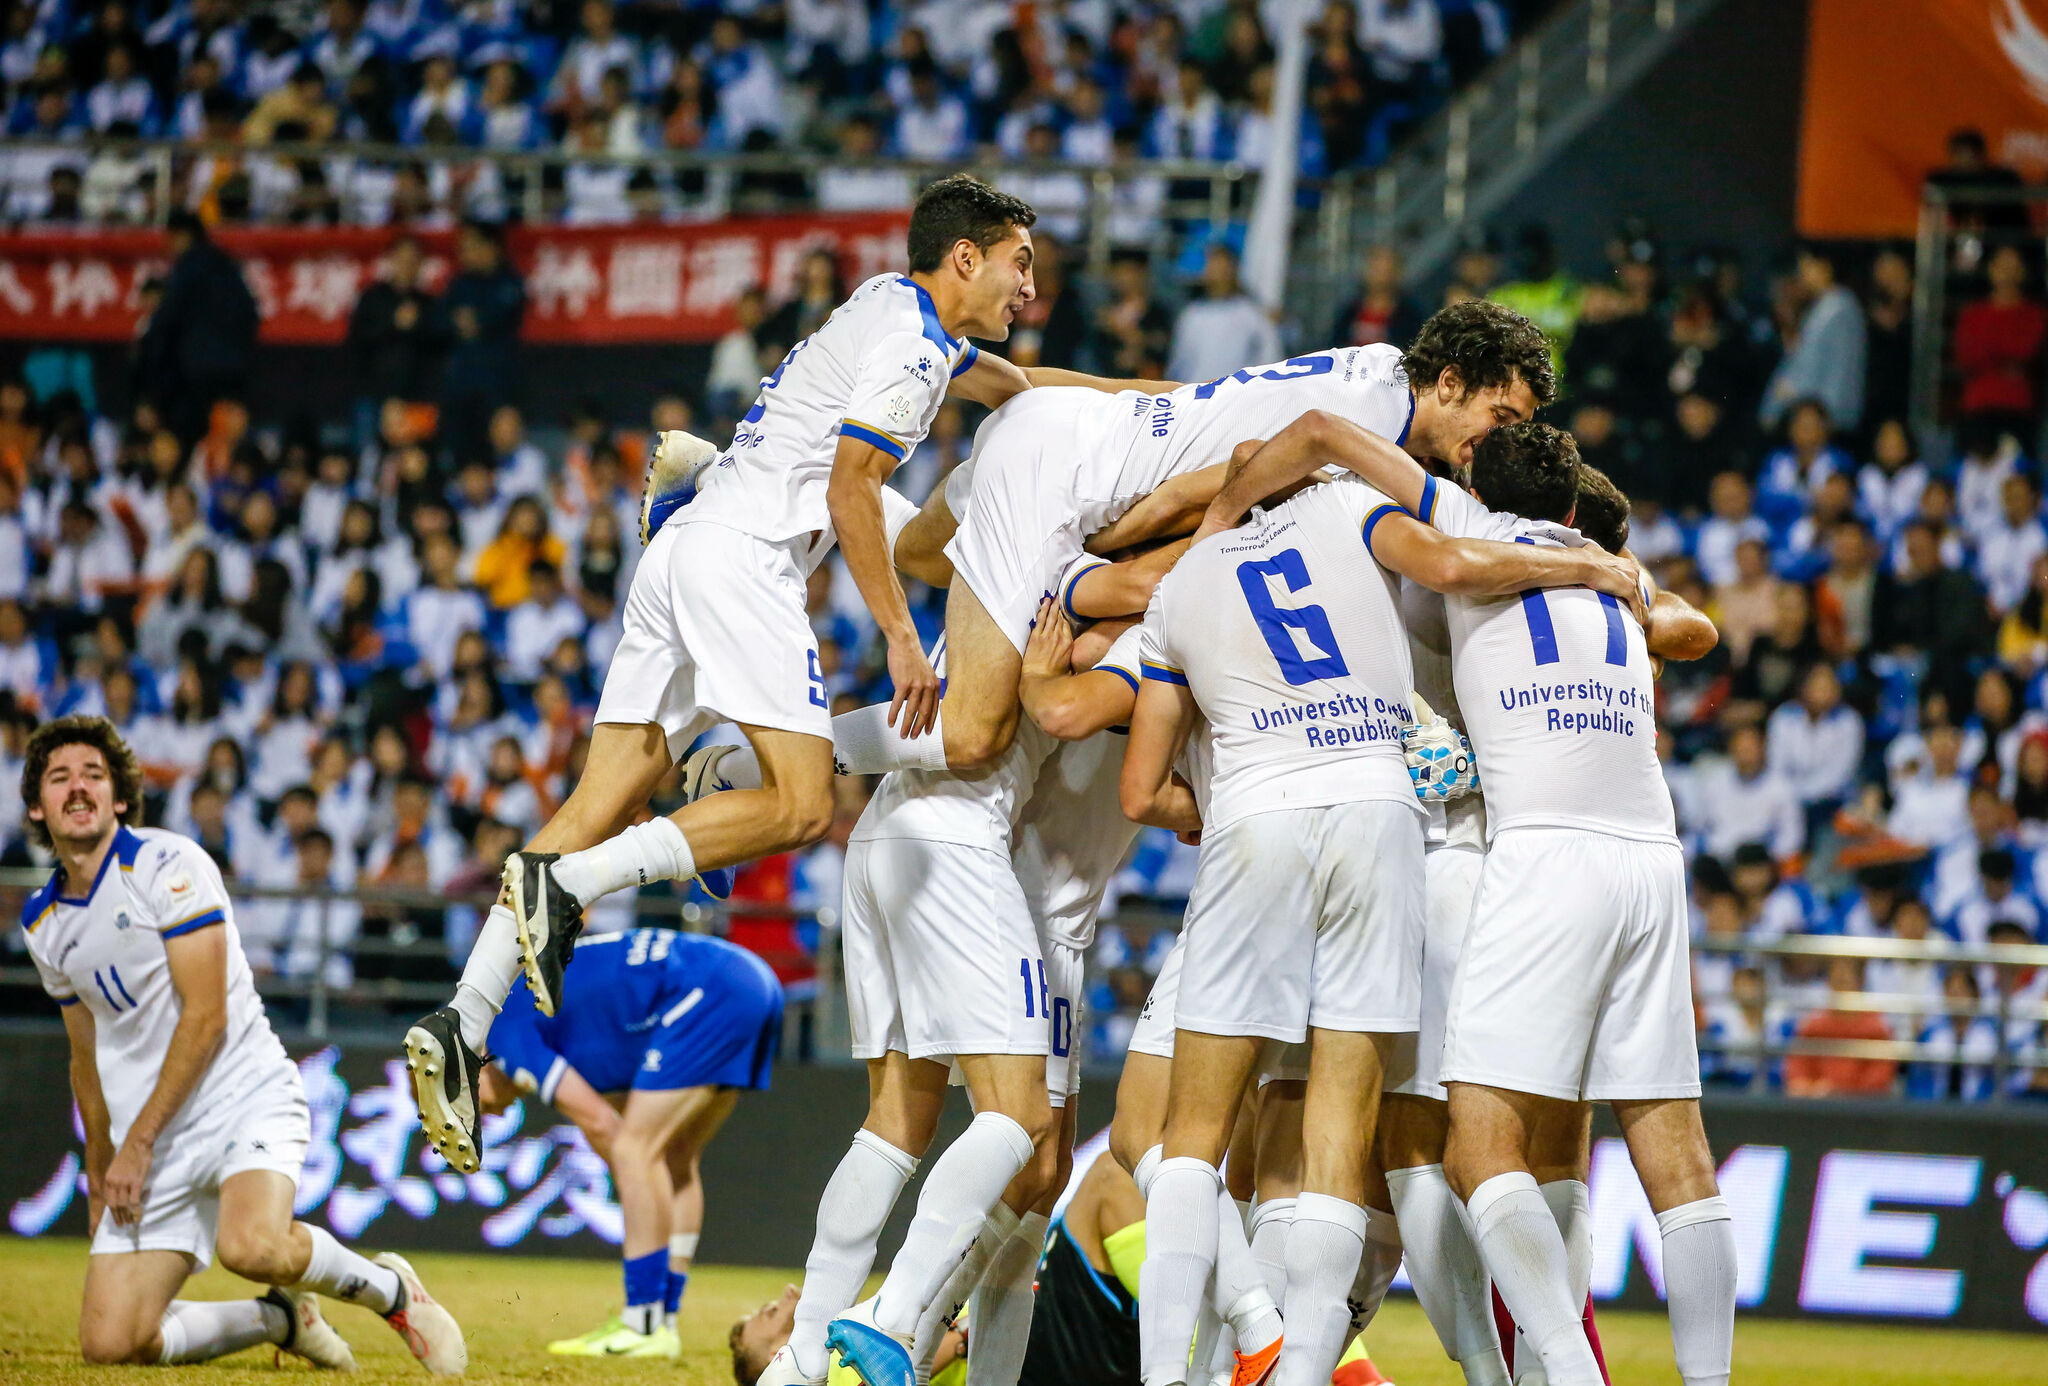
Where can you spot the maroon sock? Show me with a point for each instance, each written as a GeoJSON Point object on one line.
{"type": "Point", "coordinates": [1593, 1337]}
{"type": "Point", "coordinates": [1504, 1324]}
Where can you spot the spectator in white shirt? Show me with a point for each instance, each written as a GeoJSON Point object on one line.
{"type": "Point", "coordinates": [1404, 37]}
{"type": "Point", "coordinates": [1089, 137]}
{"type": "Point", "coordinates": [932, 125]}
{"type": "Point", "coordinates": [123, 95]}
{"type": "Point", "coordinates": [90, 562]}
{"type": "Point", "coordinates": [1888, 488]}
{"type": "Point", "coordinates": [14, 542]}
{"type": "Point", "coordinates": [441, 93]}
{"type": "Point", "coordinates": [845, 187]}
{"type": "Point", "coordinates": [441, 608]}
{"type": "Point", "coordinates": [1933, 810]}
{"type": "Point", "coordinates": [21, 658]}
{"type": "Point", "coordinates": [537, 625]}
{"type": "Point", "coordinates": [735, 374]}
{"type": "Point", "coordinates": [1739, 799]}
{"type": "Point", "coordinates": [1988, 458]}
{"type": "Point", "coordinates": [599, 48]}
{"type": "Point", "coordinates": [746, 80]}
{"type": "Point", "coordinates": [522, 467]}
{"type": "Point", "coordinates": [1225, 329]}
{"type": "Point", "coordinates": [1997, 900]}
{"type": "Point", "coordinates": [1191, 124]}
{"type": "Point", "coordinates": [1957, 877]}
{"type": "Point", "coordinates": [1059, 197]}
{"type": "Point", "coordinates": [1816, 741]}
{"type": "Point", "coordinates": [2007, 548]}
{"type": "Point", "coordinates": [304, 926]}
{"type": "Point", "coordinates": [1733, 520]}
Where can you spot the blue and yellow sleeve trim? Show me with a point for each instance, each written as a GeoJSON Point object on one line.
{"type": "Point", "coordinates": [966, 361]}
{"type": "Point", "coordinates": [874, 437]}
{"type": "Point", "coordinates": [1067, 588]}
{"type": "Point", "coordinates": [202, 920]}
{"type": "Point", "coordinates": [71, 1000]}
{"type": "Point", "coordinates": [1428, 515]}
{"type": "Point", "coordinates": [1379, 512]}
{"type": "Point", "coordinates": [1164, 673]}
{"type": "Point", "coordinates": [1126, 675]}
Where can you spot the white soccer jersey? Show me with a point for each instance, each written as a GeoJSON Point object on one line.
{"type": "Point", "coordinates": [1556, 691]}
{"type": "Point", "coordinates": [877, 371]}
{"type": "Point", "coordinates": [105, 949]}
{"type": "Point", "coordinates": [1073, 833]}
{"type": "Point", "coordinates": [1460, 822]}
{"type": "Point", "coordinates": [1289, 636]}
{"type": "Point", "coordinates": [1198, 425]}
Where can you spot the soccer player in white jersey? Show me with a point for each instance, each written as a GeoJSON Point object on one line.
{"type": "Point", "coordinates": [1058, 465]}
{"type": "Point", "coordinates": [715, 627]}
{"type": "Point", "coordinates": [1574, 983]}
{"type": "Point", "coordinates": [195, 1120]}
{"type": "Point", "coordinates": [1286, 636]}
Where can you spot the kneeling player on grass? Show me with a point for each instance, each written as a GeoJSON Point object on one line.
{"type": "Point", "coordinates": [195, 1121]}
{"type": "Point", "coordinates": [661, 1033]}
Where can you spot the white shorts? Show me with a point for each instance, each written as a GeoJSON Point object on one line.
{"type": "Point", "coordinates": [941, 956]}
{"type": "Point", "coordinates": [1575, 981]}
{"type": "Point", "coordinates": [716, 631]}
{"type": "Point", "coordinates": [1153, 1034]}
{"type": "Point", "coordinates": [1065, 973]}
{"type": "Point", "coordinates": [1023, 521]}
{"type": "Point", "coordinates": [1450, 881]}
{"type": "Point", "coordinates": [269, 1129]}
{"type": "Point", "coordinates": [1303, 918]}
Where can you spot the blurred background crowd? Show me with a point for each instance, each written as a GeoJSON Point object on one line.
{"type": "Point", "coordinates": [363, 649]}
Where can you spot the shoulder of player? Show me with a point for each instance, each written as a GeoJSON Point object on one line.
{"type": "Point", "coordinates": [40, 905]}
{"type": "Point", "coordinates": [169, 869]}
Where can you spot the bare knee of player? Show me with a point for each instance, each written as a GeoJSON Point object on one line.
{"type": "Point", "coordinates": [1667, 1143]}
{"type": "Point", "coordinates": [800, 815]}
{"type": "Point", "coordinates": [111, 1340]}
{"type": "Point", "coordinates": [257, 1252]}
{"type": "Point", "coordinates": [1485, 1138]}
{"type": "Point", "coordinates": [977, 735]}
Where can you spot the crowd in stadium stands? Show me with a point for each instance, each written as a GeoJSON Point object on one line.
{"type": "Point", "coordinates": [1087, 81]}
{"type": "Point", "coordinates": [367, 651]}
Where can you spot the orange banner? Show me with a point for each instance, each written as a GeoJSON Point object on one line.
{"type": "Point", "coordinates": [1888, 80]}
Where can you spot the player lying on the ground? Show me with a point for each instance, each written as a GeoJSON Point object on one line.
{"type": "Point", "coordinates": [1085, 1328]}
{"type": "Point", "coordinates": [715, 628]}
{"type": "Point", "coordinates": [661, 1033]}
{"type": "Point", "coordinates": [195, 1120]}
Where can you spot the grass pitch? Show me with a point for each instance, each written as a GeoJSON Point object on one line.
{"type": "Point", "coordinates": [511, 1306]}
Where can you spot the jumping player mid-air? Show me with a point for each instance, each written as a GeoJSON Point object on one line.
{"type": "Point", "coordinates": [196, 1124]}
{"type": "Point", "coordinates": [659, 1034]}
{"type": "Point", "coordinates": [715, 627]}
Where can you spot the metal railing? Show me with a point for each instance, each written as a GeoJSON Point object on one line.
{"type": "Point", "coordinates": [307, 999]}
{"type": "Point", "coordinates": [1147, 204]}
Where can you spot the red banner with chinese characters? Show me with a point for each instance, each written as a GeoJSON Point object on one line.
{"type": "Point", "coordinates": [642, 283]}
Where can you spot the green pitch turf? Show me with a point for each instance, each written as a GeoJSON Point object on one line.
{"type": "Point", "coordinates": [511, 1306]}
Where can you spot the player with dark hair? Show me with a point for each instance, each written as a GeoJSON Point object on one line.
{"type": "Point", "coordinates": [715, 628]}
{"type": "Point", "coordinates": [196, 1124]}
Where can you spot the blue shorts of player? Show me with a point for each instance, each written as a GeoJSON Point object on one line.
{"type": "Point", "coordinates": [650, 1009]}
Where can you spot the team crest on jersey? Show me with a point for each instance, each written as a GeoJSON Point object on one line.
{"type": "Point", "coordinates": [121, 920]}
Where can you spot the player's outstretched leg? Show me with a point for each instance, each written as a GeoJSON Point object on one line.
{"type": "Point", "coordinates": [626, 762]}
{"type": "Point", "coordinates": [128, 1315]}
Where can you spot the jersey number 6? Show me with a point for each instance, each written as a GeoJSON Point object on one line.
{"type": "Point", "coordinates": [1279, 623]}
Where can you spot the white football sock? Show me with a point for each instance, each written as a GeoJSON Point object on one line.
{"type": "Point", "coordinates": [1215, 1345]}
{"type": "Point", "coordinates": [1180, 1253]}
{"type": "Point", "coordinates": [864, 743]}
{"type": "Point", "coordinates": [1377, 1267]}
{"type": "Point", "coordinates": [857, 1201]}
{"type": "Point", "coordinates": [335, 1271]}
{"type": "Point", "coordinates": [1003, 1304]}
{"type": "Point", "coordinates": [652, 851]}
{"type": "Point", "coordinates": [1449, 1280]}
{"type": "Point", "coordinates": [1524, 1252]}
{"type": "Point", "coordinates": [1270, 1221]}
{"type": "Point", "coordinates": [963, 1185]}
{"type": "Point", "coordinates": [493, 969]}
{"type": "Point", "coordinates": [996, 1229]}
{"type": "Point", "coordinates": [1700, 1286]}
{"type": "Point", "coordinates": [1571, 1207]}
{"type": "Point", "coordinates": [1240, 1293]}
{"type": "Point", "coordinates": [1324, 1247]}
{"type": "Point", "coordinates": [200, 1330]}
{"type": "Point", "coordinates": [682, 1249]}
{"type": "Point", "coordinates": [1147, 1170]}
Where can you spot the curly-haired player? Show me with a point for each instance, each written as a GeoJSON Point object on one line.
{"type": "Point", "coordinates": [195, 1122]}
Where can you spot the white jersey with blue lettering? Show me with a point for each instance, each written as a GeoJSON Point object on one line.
{"type": "Point", "coordinates": [104, 949]}
{"type": "Point", "coordinates": [1288, 634]}
{"type": "Point", "coordinates": [877, 370]}
{"type": "Point", "coordinates": [1461, 822]}
{"type": "Point", "coordinates": [1557, 696]}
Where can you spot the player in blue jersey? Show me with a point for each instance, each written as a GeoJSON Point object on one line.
{"type": "Point", "coordinates": [661, 1033]}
